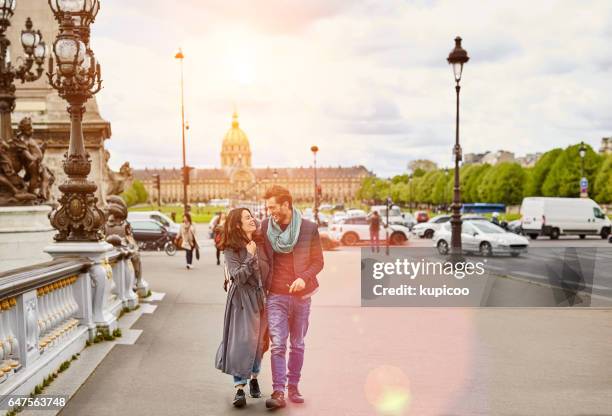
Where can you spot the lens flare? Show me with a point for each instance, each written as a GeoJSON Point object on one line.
{"type": "Point", "coordinates": [387, 389]}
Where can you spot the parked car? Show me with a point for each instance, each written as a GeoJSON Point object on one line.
{"type": "Point", "coordinates": [351, 231]}
{"type": "Point", "coordinates": [482, 237]}
{"type": "Point", "coordinates": [152, 235]}
{"type": "Point", "coordinates": [355, 213]}
{"type": "Point", "coordinates": [563, 216]}
{"type": "Point", "coordinates": [338, 216]}
{"type": "Point", "coordinates": [421, 216]}
{"type": "Point", "coordinates": [158, 216]}
{"type": "Point", "coordinates": [428, 229]}
{"type": "Point", "coordinates": [515, 227]}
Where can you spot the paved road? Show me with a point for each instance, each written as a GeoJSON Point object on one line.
{"type": "Point", "coordinates": [360, 361]}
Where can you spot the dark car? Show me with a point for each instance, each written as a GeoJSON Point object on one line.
{"type": "Point", "coordinates": [515, 227]}
{"type": "Point", "coordinates": [152, 235]}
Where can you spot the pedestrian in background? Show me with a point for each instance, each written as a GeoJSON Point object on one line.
{"type": "Point", "coordinates": [217, 235]}
{"type": "Point", "coordinates": [188, 239]}
{"type": "Point", "coordinates": [374, 221]}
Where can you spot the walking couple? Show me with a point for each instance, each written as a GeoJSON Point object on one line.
{"type": "Point", "coordinates": [271, 273]}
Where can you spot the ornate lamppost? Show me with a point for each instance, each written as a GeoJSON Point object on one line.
{"type": "Point", "coordinates": [584, 183]}
{"type": "Point", "coordinates": [78, 78]}
{"type": "Point", "coordinates": [35, 53]}
{"type": "Point", "coordinates": [457, 57]}
{"type": "Point", "coordinates": [314, 150]}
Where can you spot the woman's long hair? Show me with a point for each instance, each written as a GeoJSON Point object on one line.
{"type": "Point", "coordinates": [233, 236]}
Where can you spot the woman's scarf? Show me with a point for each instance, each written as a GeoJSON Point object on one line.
{"type": "Point", "coordinates": [284, 241]}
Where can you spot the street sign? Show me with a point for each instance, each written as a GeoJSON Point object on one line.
{"type": "Point", "coordinates": [584, 184]}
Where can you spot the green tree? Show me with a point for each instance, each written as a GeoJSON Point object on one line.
{"type": "Point", "coordinates": [503, 183]}
{"type": "Point", "coordinates": [135, 194]}
{"type": "Point", "coordinates": [470, 178]}
{"type": "Point", "coordinates": [540, 171]}
{"type": "Point", "coordinates": [367, 189]}
{"type": "Point", "coordinates": [563, 179]}
{"type": "Point", "coordinates": [602, 189]}
{"type": "Point", "coordinates": [426, 185]}
{"type": "Point", "coordinates": [422, 164]}
{"type": "Point", "coordinates": [400, 179]}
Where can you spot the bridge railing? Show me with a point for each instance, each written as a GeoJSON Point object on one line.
{"type": "Point", "coordinates": [49, 310]}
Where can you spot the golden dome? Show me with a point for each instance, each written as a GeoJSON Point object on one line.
{"type": "Point", "coordinates": [235, 150]}
{"type": "Point", "coordinates": [235, 135]}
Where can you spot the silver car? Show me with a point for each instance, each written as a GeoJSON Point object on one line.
{"type": "Point", "coordinates": [482, 237]}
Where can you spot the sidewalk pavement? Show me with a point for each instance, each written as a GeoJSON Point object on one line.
{"type": "Point", "coordinates": [359, 361]}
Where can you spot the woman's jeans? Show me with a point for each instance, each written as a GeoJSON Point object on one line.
{"type": "Point", "coordinates": [189, 255]}
{"type": "Point", "coordinates": [287, 318]}
{"type": "Point", "coordinates": [239, 381]}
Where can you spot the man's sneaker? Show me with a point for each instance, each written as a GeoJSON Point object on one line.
{"type": "Point", "coordinates": [254, 388]}
{"type": "Point", "coordinates": [294, 394]}
{"type": "Point", "coordinates": [276, 401]}
{"type": "Point", "coordinates": [239, 398]}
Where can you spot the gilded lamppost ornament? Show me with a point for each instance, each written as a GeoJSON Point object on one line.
{"type": "Point", "coordinates": [77, 79]}
{"type": "Point", "coordinates": [15, 155]}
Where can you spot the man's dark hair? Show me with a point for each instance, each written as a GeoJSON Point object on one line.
{"type": "Point", "coordinates": [280, 195]}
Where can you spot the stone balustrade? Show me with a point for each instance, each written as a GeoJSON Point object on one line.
{"type": "Point", "coordinates": [48, 311]}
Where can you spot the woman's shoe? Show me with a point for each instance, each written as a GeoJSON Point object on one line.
{"type": "Point", "coordinates": [239, 398]}
{"type": "Point", "coordinates": [254, 388]}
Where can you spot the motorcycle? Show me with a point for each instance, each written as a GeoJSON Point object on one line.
{"type": "Point", "coordinates": [163, 243]}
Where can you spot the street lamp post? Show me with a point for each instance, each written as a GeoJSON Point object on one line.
{"type": "Point", "coordinates": [179, 55]}
{"type": "Point", "coordinates": [35, 53]}
{"type": "Point", "coordinates": [314, 150]}
{"type": "Point", "coordinates": [584, 183]}
{"type": "Point", "coordinates": [457, 57]}
{"type": "Point", "coordinates": [78, 78]}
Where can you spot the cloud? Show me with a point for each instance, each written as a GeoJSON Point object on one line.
{"type": "Point", "coordinates": [367, 81]}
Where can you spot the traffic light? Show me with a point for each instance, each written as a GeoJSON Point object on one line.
{"type": "Point", "coordinates": [157, 181]}
{"type": "Point", "coordinates": [319, 191]}
{"type": "Point", "coordinates": [186, 174]}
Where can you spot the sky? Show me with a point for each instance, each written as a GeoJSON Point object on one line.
{"type": "Point", "coordinates": [366, 81]}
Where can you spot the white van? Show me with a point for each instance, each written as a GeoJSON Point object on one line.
{"type": "Point", "coordinates": [569, 216]}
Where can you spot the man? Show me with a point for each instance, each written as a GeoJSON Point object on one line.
{"type": "Point", "coordinates": [374, 221]}
{"type": "Point", "coordinates": [293, 248]}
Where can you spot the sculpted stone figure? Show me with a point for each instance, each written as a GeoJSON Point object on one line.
{"type": "Point", "coordinates": [115, 181]}
{"type": "Point", "coordinates": [119, 232]}
{"type": "Point", "coordinates": [24, 179]}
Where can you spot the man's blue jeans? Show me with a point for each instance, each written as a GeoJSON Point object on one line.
{"type": "Point", "coordinates": [239, 381]}
{"type": "Point", "coordinates": [287, 318]}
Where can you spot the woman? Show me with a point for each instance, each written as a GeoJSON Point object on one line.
{"type": "Point", "coordinates": [245, 325]}
{"type": "Point", "coordinates": [218, 231]}
{"type": "Point", "coordinates": [188, 239]}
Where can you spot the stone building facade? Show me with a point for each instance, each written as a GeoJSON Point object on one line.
{"type": "Point", "coordinates": [237, 179]}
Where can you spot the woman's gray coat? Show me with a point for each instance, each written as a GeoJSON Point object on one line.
{"type": "Point", "coordinates": [245, 327]}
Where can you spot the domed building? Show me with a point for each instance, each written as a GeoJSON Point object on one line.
{"type": "Point", "coordinates": [235, 150]}
{"type": "Point", "coordinates": [236, 179]}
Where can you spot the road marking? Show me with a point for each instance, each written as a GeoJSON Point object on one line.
{"type": "Point", "coordinates": [540, 277]}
